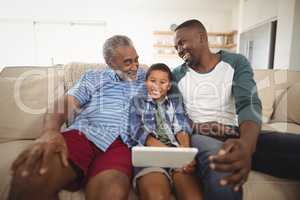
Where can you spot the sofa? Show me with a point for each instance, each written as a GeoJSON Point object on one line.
{"type": "Point", "coordinates": [26, 93]}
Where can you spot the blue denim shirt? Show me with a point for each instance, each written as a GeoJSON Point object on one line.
{"type": "Point", "coordinates": [142, 118]}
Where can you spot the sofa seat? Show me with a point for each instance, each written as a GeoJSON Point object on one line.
{"type": "Point", "coordinates": [263, 186]}
{"type": "Point", "coordinates": [255, 188]}
{"type": "Point", "coordinates": [19, 128]}
{"type": "Point", "coordinates": [283, 127]}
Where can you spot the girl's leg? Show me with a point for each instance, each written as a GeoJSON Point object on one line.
{"type": "Point", "coordinates": [154, 186]}
{"type": "Point", "coordinates": [187, 186]}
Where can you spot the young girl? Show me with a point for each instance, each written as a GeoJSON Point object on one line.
{"type": "Point", "coordinates": [158, 119]}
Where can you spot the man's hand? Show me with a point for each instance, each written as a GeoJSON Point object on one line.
{"type": "Point", "coordinates": [235, 158]}
{"type": "Point", "coordinates": [40, 152]}
{"type": "Point", "coordinates": [213, 128]}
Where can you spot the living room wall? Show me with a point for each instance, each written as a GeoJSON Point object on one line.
{"type": "Point", "coordinates": [135, 18]}
{"type": "Point", "coordinates": [254, 13]}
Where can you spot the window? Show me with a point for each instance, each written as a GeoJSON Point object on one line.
{"type": "Point", "coordinates": [50, 42]}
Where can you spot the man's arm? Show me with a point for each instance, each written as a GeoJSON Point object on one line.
{"type": "Point", "coordinates": [51, 140]}
{"type": "Point", "coordinates": [249, 132]}
{"type": "Point", "coordinates": [236, 154]}
{"type": "Point", "coordinates": [53, 121]}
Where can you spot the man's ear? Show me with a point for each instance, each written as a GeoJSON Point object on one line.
{"type": "Point", "coordinates": [202, 37]}
{"type": "Point", "coordinates": [111, 63]}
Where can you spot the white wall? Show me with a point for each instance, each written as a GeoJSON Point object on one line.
{"type": "Point", "coordinates": [295, 50]}
{"type": "Point", "coordinates": [284, 33]}
{"type": "Point", "coordinates": [254, 13]}
{"type": "Point", "coordinates": [135, 18]}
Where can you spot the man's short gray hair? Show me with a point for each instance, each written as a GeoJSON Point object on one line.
{"type": "Point", "coordinates": [114, 42]}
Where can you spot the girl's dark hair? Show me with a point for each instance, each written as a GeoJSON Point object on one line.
{"type": "Point", "coordinates": [161, 67]}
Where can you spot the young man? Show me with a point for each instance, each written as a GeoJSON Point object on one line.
{"type": "Point", "coordinates": [93, 151]}
{"type": "Point", "coordinates": [215, 89]}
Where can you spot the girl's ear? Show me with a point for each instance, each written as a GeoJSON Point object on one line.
{"type": "Point", "coordinates": [169, 86]}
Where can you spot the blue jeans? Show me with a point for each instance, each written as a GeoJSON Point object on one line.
{"type": "Point", "coordinates": [277, 154]}
{"type": "Point", "coordinates": [210, 179]}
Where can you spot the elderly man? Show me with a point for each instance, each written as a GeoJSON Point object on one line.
{"type": "Point", "coordinates": [93, 152]}
{"type": "Point", "coordinates": [220, 97]}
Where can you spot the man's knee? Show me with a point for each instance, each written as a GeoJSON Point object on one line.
{"type": "Point", "coordinates": [32, 186]}
{"type": "Point", "coordinates": [108, 185]}
{"type": "Point", "coordinates": [120, 191]}
{"type": "Point", "coordinates": [37, 186]}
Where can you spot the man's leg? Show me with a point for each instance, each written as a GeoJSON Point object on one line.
{"type": "Point", "coordinates": [46, 186]}
{"type": "Point", "coordinates": [110, 173]}
{"type": "Point", "coordinates": [108, 184]}
{"type": "Point", "coordinates": [210, 179]}
{"type": "Point", "coordinates": [278, 154]}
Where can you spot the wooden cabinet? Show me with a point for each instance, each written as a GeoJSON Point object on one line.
{"type": "Point", "coordinates": [164, 42]}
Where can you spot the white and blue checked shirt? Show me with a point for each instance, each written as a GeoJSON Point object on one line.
{"type": "Point", "coordinates": [104, 101]}
{"type": "Point", "coordinates": [143, 119]}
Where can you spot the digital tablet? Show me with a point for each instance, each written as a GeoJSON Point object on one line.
{"type": "Point", "coordinates": [173, 157]}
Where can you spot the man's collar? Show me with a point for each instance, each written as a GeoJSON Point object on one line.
{"type": "Point", "coordinates": [113, 75]}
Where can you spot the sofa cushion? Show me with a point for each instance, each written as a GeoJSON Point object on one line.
{"type": "Point", "coordinates": [262, 186]}
{"type": "Point", "coordinates": [287, 108]}
{"type": "Point", "coordinates": [266, 92]}
{"type": "Point", "coordinates": [282, 127]}
{"type": "Point", "coordinates": [24, 100]}
{"type": "Point", "coordinates": [73, 71]}
{"type": "Point", "coordinates": [255, 187]}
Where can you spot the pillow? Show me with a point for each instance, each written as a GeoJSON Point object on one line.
{"type": "Point", "coordinates": [288, 107]}
{"type": "Point", "coordinates": [265, 90]}
{"type": "Point", "coordinates": [73, 71]}
{"type": "Point", "coordinates": [24, 101]}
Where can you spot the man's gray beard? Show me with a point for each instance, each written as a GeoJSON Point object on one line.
{"type": "Point", "coordinates": [123, 76]}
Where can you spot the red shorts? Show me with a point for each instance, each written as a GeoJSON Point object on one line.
{"type": "Point", "coordinates": [91, 160]}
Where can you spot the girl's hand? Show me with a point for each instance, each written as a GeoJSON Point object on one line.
{"type": "Point", "coordinates": [190, 168]}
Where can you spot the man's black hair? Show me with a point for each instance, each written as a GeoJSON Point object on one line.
{"type": "Point", "coordinates": [161, 67]}
{"type": "Point", "coordinates": [193, 23]}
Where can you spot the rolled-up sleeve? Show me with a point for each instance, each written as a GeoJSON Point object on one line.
{"type": "Point", "coordinates": [137, 130]}
{"type": "Point", "coordinates": [82, 90]}
{"type": "Point", "coordinates": [248, 104]}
